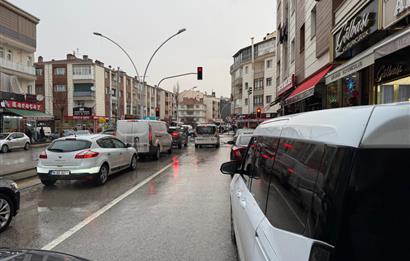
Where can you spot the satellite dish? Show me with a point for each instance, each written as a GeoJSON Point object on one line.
{"type": "Point", "coordinates": [92, 88]}
{"type": "Point", "coordinates": [39, 97]}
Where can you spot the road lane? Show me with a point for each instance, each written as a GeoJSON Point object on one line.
{"type": "Point", "coordinates": [46, 213]}
{"type": "Point", "coordinates": [18, 160]}
{"type": "Point", "coordinates": [182, 214]}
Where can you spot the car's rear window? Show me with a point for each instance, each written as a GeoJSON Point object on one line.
{"type": "Point", "coordinates": [243, 140]}
{"type": "Point", "coordinates": [205, 130]}
{"type": "Point", "coordinates": [69, 145]}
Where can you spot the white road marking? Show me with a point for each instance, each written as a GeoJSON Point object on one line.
{"type": "Point", "coordinates": [101, 211]}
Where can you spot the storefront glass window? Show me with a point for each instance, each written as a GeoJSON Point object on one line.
{"type": "Point", "coordinates": [12, 123]}
{"type": "Point", "coordinates": [351, 90]}
{"type": "Point", "coordinates": [334, 95]}
{"type": "Point", "coordinates": [395, 91]}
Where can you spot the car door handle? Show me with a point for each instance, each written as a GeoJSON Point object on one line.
{"type": "Point", "coordinates": [261, 247]}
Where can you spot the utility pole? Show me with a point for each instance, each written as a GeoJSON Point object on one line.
{"type": "Point", "coordinates": [118, 93]}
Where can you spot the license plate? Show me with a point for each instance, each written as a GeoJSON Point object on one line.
{"type": "Point", "coordinates": [59, 172]}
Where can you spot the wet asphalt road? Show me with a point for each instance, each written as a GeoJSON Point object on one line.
{"type": "Point", "coordinates": [182, 214]}
{"type": "Point", "coordinates": [17, 160]}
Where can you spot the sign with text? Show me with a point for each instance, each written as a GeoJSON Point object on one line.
{"type": "Point", "coordinates": [20, 105]}
{"type": "Point", "coordinates": [394, 11]}
{"type": "Point", "coordinates": [82, 111]}
{"type": "Point", "coordinates": [356, 29]}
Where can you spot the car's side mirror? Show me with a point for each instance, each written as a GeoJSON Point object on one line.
{"type": "Point", "coordinates": [9, 138]}
{"type": "Point", "coordinates": [231, 167]}
{"type": "Point", "coordinates": [230, 142]}
{"type": "Point", "coordinates": [128, 145]}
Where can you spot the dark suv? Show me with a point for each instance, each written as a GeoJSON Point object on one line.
{"type": "Point", "coordinates": [9, 202]}
{"type": "Point", "coordinates": [179, 136]}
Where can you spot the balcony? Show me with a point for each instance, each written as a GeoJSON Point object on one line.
{"type": "Point", "coordinates": [17, 67]}
{"type": "Point", "coordinates": [77, 95]}
{"type": "Point", "coordinates": [83, 77]}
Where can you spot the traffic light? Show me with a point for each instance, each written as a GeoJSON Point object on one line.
{"type": "Point", "coordinates": [258, 112]}
{"type": "Point", "coordinates": [199, 73]}
{"type": "Point", "coordinates": [157, 112]}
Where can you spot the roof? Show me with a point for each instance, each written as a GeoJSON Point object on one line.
{"type": "Point", "coordinates": [255, 44]}
{"type": "Point", "coordinates": [90, 137]}
{"type": "Point", "coordinates": [386, 125]}
{"type": "Point", "coordinates": [20, 11]}
{"type": "Point", "coordinates": [30, 114]}
{"type": "Point", "coordinates": [190, 101]}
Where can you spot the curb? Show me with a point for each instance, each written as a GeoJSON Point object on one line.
{"type": "Point", "coordinates": [19, 175]}
{"type": "Point", "coordinates": [39, 145]}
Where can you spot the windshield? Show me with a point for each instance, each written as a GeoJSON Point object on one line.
{"type": "Point", "coordinates": [243, 140]}
{"type": "Point", "coordinates": [69, 145]}
{"type": "Point", "coordinates": [3, 136]}
{"type": "Point", "coordinates": [205, 130]}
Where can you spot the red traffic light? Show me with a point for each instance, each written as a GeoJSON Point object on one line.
{"type": "Point", "coordinates": [258, 110]}
{"type": "Point", "coordinates": [199, 71]}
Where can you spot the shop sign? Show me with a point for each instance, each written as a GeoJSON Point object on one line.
{"type": "Point", "coordinates": [356, 29]}
{"type": "Point", "coordinates": [287, 84]}
{"type": "Point", "coordinates": [394, 11]}
{"type": "Point", "coordinates": [386, 72]}
{"type": "Point", "coordinates": [82, 111]}
{"type": "Point", "coordinates": [348, 69]}
{"type": "Point", "coordinates": [20, 105]}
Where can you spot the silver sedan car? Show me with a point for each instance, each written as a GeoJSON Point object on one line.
{"type": "Point", "coordinates": [14, 140]}
{"type": "Point", "coordinates": [90, 157]}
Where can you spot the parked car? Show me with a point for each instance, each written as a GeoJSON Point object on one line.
{"type": "Point", "coordinates": [54, 136]}
{"type": "Point", "coordinates": [323, 184]}
{"type": "Point", "coordinates": [36, 254]}
{"type": "Point", "coordinates": [149, 137]}
{"type": "Point", "coordinates": [47, 131]}
{"type": "Point", "coordinates": [14, 140]}
{"type": "Point", "coordinates": [9, 202]}
{"type": "Point", "coordinates": [88, 157]}
{"type": "Point", "coordinates": [207, 134]}
{"type": "Point", "coordinates": [242, 131]}
{"type": "Point", "coordinates": [239, 147]}
{"type": "Point", "coordinates": [179, 137]}
{"type": "Point", "coordinates": [109, 132]}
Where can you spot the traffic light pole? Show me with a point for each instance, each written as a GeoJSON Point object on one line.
{"type": "Point", "coordinates": [173, 76]}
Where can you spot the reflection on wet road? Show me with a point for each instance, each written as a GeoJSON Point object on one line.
{"type": "Point", "coordinates": [183, 214]}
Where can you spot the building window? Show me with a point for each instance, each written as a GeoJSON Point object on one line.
{"type": "Point", "coordinates": [269, 64]}
{"type": "Point", "coordinates": [246, 85]}
{"type": "Point", "coordinates": [39, 72]}
{"type": "Point", "coordinates": [246, 69]}
{"type": "Point", "coordinates": [29, 89]}
{"type": "Point", "coordinates": [81, 70]}
{"type": "Point", "coordinates": [29, 61]}
{"type": "Point", "coordinates": [292, 50]}
{"type": "Point", "coordinates": [59, 71]}
{"type": "Point", "coordinates": [302, 38]}
{"type": "Point", "coordinates": [1, 52]}
{"type": "Point", "coordinates": [107, 90]}
{"type": "Point", "coordinates": [313, 23]}
{"type": "Point", "coordinates": [268, 98]}
{"type": "Point", "coordinates": [39, 89]}
{"type": "Point", "coordinates": [258, 100]}
{"type": "Point", "coordinates": [59, 88]}
{"type": "Point", "coordinates": [9, 55]}
{"type": "Point", "coordinates": [269, 81]}
{"type": "Point", "coordinates": [121, 93]}
{"type": "Point", "coordinates": [259, 84]}
{"type": "Point", "coordinates": [246, 101]}
{"type": "Point", "coordinates": [107, 75]}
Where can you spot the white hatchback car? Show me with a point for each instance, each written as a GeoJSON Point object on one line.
{"type": "Point", "coordinates": [85, 157]}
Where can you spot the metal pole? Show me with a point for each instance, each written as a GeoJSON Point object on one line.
{"type": "Point", "coordinates": [118, 93]}
{"type": "Point", "coordinates": [152, 56]}
{"type": "Point", "coordinates": [173, 76]}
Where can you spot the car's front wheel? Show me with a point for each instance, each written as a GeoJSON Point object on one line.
{"type": "Point", "coordinates": [5, 149]}
{"type": "Point", "coordinates": [157, 153]}
{"type": "Point", "coordinates": [102, 176]}
{"type": "Point", "coordinates": [27, 146]}
{"type": "Point", "coordinates": [48, 182]}
{"type": "Point", "coordinates": [6, 212]}
{"type": "Point", "coordinates": [133, 164]}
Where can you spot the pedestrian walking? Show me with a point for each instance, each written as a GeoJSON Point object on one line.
{"type": "Point", "coordinates": [29, 134]}
{"type": "Point", "coordinates": [42, 134]}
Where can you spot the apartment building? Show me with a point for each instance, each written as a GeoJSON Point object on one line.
{"type": "Point", "coordinates": [253, 73]}
{"type": "Point", "coordinates": [19, 105]}
{"type": "Point", "coordinates": [192, 111]}
{"type": "Point", "coordinates": [210, 102]}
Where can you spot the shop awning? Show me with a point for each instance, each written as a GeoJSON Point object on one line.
{"type": "Point", "coordinates": [31, 115]}
{"type": "Point", "coordinates": [306, 89]}
{"type": "Point", "coordinates": [393, 44]}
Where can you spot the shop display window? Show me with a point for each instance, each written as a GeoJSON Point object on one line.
{"type": "Point", "coordinates": [395, 91]}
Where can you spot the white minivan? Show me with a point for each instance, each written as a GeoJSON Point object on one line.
{"type": "Point", "coordinates": [326, 185]}
{"type": "Point", "coordinates": [207, 134]}
{"type": "Point", "coordinates": [149, 137]}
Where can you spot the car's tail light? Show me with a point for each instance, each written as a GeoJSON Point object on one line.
{"type": "Point", "coordinates": [175, 134]}
{"type": "Point", "coordinates": [87, 154]}
{"type": "Point", "coordinates": [150, 135]}
{"type": "Point", "coordinates": [237, 152]}
{"type": "Point", "coordinates": [43, 155]}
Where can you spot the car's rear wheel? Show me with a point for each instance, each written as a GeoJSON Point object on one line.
{"type": "Point", "coordinates": [5, 149]}
{"type": "Point", "coordinates": [48, 182]}
{"type": "Point", "coordinates": [180, 146]}
{"type": "Point", "coordinates": [133, 164]}
{"type": "Point", "coordinates": [157, 153]}
{"type": "Point", "coordinates": [6, 212]}
{"type": "Point", "coordinates": [27, 146]}
{"type": "Point", "coordinates": [102, 176]}
{"type": "Point", "coordinates": [217, 145]}
{"type": "Point", "coordinates": [170, 150]}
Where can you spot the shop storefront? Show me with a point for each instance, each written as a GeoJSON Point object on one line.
{"type": "Point", "coordinates": [17, 116]}
{"type": "Point", "coordinates": [283, 92]}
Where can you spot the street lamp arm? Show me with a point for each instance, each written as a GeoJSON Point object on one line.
{"type": "Point", "coordinates": [155, 52]}
{"type": "Point", "coordinates": [173, 76]}
{"type": "Point", "coordinates": [126, 53]}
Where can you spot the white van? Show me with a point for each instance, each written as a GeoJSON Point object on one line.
{"type": "Point", "coordinates": [150, 138]}
{"type": "Point", "coordinates": [325, 185]}
{"type": "Point", "coordinates": [207, 134]}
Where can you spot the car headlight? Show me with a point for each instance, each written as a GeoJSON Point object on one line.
{"type": "Point", "coordinates": [14, 185]}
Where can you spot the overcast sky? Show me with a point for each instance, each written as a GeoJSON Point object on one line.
{"type": "Point", "coordinates": [216, 29]}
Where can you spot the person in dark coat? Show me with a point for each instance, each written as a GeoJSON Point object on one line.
{"type": "Point", "coordinates": [42, 135]}
{"type": "Point", "coordinates": [29, 134]}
